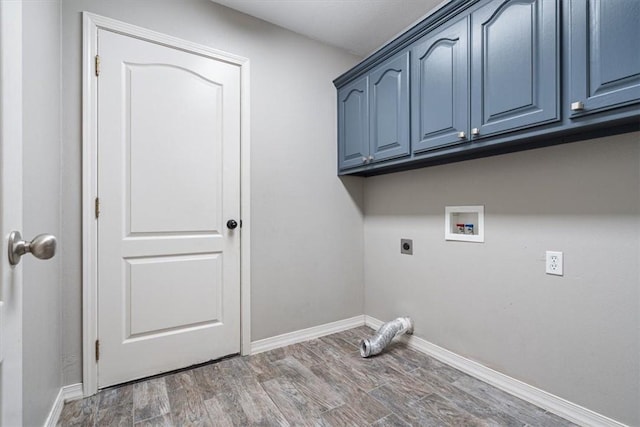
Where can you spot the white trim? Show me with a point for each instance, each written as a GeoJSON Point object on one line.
{"type": "Point", "coordinates": [306, 334]}
{"type": "Point", "coordinates": [245, 210]}
{"type": "Point", "coordinates": [56, 410]}
{"type": "Point", "coordinates": [372, 322]}
{"type": "Point", "coordinates": [89, 225]}
{"type": "Point", "coordinates": [72, 392]}
{"type": "Point", "coordinates": [550, 402]}
{"type": "Point", "coordinates": [91, 24]}
{"type": "Point", "coordinates": [66, 394]}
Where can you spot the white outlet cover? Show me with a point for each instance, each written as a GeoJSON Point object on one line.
{"type": "Point", "coordinates": [554, 263]}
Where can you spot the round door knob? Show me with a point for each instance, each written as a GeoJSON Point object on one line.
{"type": "Point", "coordinates": [231, 224]}
{"type": "Point", "coordinates": [43, 246]}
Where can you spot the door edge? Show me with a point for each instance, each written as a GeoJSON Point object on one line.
{"type": "Point", "coordinates": [11, 166]}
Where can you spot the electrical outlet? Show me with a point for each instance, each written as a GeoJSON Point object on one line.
{"type": "Point", "coordinates": [554, 263]}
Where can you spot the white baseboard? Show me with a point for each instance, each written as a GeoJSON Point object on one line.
{"type": "Point", "coordinates": [552, 403]}
{"type": "Point", "coordinates": [66, 394]}
{"type": "Point", "coordinates": [306, 334]}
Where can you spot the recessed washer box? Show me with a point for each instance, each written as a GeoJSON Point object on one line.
{"type": "Point", "coordinates": [464, 223]}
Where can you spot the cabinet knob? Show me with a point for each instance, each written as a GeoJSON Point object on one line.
{"type": "Point", "coordinates": [462, 135]}
{"type": "Point", "coordinates": [577, 106]}
{"type": "Point", "coordinates": [370, 158]}
{"type": "Point", "coordinates": [364, 160]}
{"type": "Point", "coordinates": [475, 131]}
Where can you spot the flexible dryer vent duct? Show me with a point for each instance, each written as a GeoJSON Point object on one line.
{"type": "Point", "coordinates": [384, 335]}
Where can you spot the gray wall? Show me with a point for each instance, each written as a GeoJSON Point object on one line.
{"type": "Point", "coordinates": [42, 361]}
{"type": "Point", "coordinates": [306, 251]}
{"type": "Point", "coordinates": [574, 336]}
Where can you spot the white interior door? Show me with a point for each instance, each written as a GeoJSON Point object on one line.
{"type": "Point", "coordinates": [11, 211]}
{"type": "Point", "coordinates": [168, 182]}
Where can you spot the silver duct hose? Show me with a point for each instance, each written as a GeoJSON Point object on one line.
{"type": "Point", "coordinates": [384, 335]}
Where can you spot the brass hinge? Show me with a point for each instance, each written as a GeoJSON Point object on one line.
{"type": "Point", "coordinates": [97, 350]}
{"type": "Point", "coordinates": [97, 65]}
{"type": "Point", "coordinates": [97, 207]}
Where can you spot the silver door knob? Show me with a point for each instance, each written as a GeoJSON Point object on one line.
{"type": "Point", "coordinates": [43, 246]}
{"type": "Point", "coordinates": [475, 131]}
{"type": "Point", "coordinates": [577, 106]}
{"type": "Point", "coordinates": [462, 135]}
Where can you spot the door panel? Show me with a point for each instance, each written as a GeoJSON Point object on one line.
{"type": "Point", "coordinates": [440, 101]}
{"type": "Point", "coordinates": [181, 130]}
{"type": "Point", "coordinates": [389, 106]}
{"type": "Point", "coordinates": [509, 72]}
{"type": "Point", "coordinates": [155, 307]}
{"type": "Point", "coordinates": [353, 124]}
{"type": "Point", "coordinates": [515, 65]}
{"type": "Point", "coordinates": [168, 178]}
{"type": "Point", "coordinates": [604, 54]}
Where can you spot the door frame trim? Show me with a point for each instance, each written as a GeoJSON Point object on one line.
{"type": "Point", "coordinates": [91, 24]}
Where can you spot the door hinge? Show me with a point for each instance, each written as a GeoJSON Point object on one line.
{"type": "Point", "coordinates": [97, 207]}
{"type": "Point", "coordinates": [97, 65]}
{"type": "Point", "coordinates": [97, 350]}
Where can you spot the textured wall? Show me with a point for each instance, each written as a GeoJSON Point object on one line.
{"type": "Point", "coordinates": [306, 249]}
{"type": "Point", "coordinates": [42, 360]}
{"type": "Point", "coordinates": [575, 336]}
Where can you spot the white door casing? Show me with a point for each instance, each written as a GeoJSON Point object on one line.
{"type": "Point", "coordinates": [165, 163]}
{"type": "Point", "coordinates": [11, 211]}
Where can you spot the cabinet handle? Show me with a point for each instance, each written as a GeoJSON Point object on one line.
{"type": "Point", "coordinates": [577, 106]}
{"type": "Point", "coordinates": [370, 158]}
{"type": "Point", "coordinates": [475, 131]}
{"type": "Point", "coordinates": [462, 135]}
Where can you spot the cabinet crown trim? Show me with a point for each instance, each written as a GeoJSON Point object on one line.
{"type": "Point", "coordinates": [440, 15]}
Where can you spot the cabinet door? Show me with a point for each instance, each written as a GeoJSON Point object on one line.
{"type": "Point", "coordinates": [353, 124]}
{"type": "Point", "coordinates": [439, 85]}
{"type": "Point", "coordinates": [514, 77]}
{"type": "Point", "coordinates": [389, 106]}
{"type": "Point", "coordinates": [604, 54]}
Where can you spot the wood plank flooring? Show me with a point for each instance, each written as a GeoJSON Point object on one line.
{"type": "Point", "coordinates": [322, 382]}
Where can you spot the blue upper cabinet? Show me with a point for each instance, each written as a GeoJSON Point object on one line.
{"type": "Point", "coordinates": [604, 54]}
{"type": "Point", "coordinates": [514, 63]}
{"type": "Point", "coordinates": [389, 109]}
{"type": "Point", "coordinates": [353, 124]}
{"type": "Point", "coordinates": [440, 88]}
{"type": "Point", "coordinates": [484, 77]}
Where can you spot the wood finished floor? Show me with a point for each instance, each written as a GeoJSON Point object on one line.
{"type": "Point", "coordinates": [322, 382]}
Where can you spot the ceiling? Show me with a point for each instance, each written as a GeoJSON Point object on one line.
{"type": "Point", "coordinates": [359, 26]}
